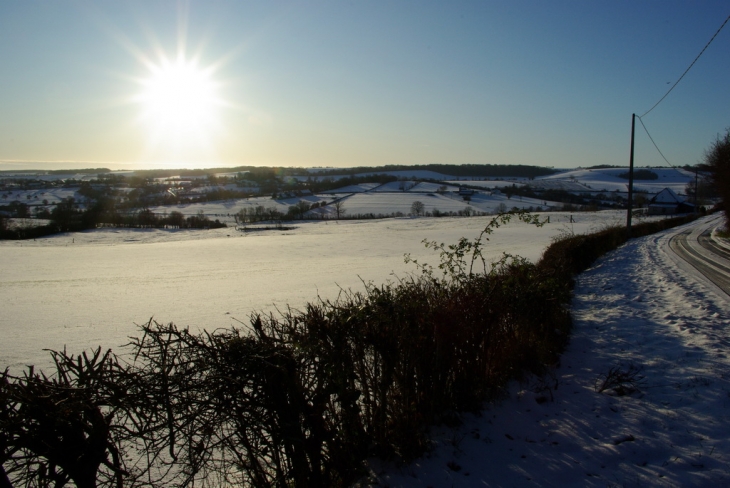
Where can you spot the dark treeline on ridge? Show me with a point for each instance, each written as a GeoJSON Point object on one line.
{"type": "Point", "coordinates": [479, 170]}
{"type": "Point", "coordinates": [85, 171]}
{"type": "Point", "coordinates": [458, 170]}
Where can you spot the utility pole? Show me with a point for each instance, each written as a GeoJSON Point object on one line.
{"type": "Point", "coordinates": [631, 179]}
{"type": "Point", "coordinates": [696, 188]}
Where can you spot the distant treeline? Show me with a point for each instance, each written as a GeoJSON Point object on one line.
{"type": "Point", "coordinates": [601, 200]}
{"type": "Point", "coordinates": [68, 217]}
{"type": "Point", "coordinates": [85, 171]}
{"type": "Point", "coordinates": [320, 184]}
{"type": "Point", "coordinates": [640, 174]}
{"type": "Point", "coordinates": [605, 166]}
{"type": "Point", "coordinates": [460, 170]}
{"type": "Point", "coordinates": [258, 173]}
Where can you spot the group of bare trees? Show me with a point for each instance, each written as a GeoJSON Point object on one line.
{"type": "Point", "coordinates": [717, 159]}
{"type": "Point", "coordinates": [297, 211]}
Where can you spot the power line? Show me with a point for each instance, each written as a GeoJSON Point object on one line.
{"type": "Point", "coordinates": [685, 71]}
{"type": "Point", "coordinates": [652, 141]}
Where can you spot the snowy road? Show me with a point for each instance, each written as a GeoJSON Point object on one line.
{"type": "Point", "coordinates": [707, 255]}
{"type": "Point", "coordinates": [640, 308]}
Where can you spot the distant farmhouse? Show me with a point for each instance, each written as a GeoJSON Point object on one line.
{"type": "Point", "coordinates": [667, 202]}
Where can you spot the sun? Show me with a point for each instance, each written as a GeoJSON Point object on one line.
{"type": "Point", "coordinates": [180, 104]}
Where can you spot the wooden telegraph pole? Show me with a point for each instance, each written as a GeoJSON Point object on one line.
{"type": "Point", "coordinates": [631, 179]}
{"type": "Point", "coordinates": [697, 172]}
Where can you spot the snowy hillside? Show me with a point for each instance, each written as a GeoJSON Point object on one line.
{"type": "Point", "coordinates": [608, 179]}
{"type": "Point", "coordinates": [363, 187]}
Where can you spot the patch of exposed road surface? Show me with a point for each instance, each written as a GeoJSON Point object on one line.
{"type": "Point", "coordinates": [707, 254]}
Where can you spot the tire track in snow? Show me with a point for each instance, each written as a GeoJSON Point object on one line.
{"type": "Point", "coordinates": [696, 246]}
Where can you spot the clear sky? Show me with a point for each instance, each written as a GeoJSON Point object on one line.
{"type": "Point", "coordinates": [349, 83]}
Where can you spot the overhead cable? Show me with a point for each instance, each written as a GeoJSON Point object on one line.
{"type": "Point", "coordinates": [652, 141]}
{"type": "Point", "coordinates": [685, 71]}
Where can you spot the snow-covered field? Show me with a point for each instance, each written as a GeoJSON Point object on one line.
{"type": "Point", "coordinates": [378, 203]}
{"type": "Point", "coordinates": [608, 180]}
{"type": "Point", "coordinates": [596, 180]}
{"type": "Point", "coordinates": [36, 197]}
{"type": "Point", "coordinates": [224, 210]}
{"type": "Point", "coordinates": [362, 187]}
{"type": "Point", "coordinates": [637, 306]}
{"type": "Point", "coordinates": [88, 289]}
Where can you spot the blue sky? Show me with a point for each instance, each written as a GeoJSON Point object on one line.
{"type": "Point", "coordinates": [352, 83]}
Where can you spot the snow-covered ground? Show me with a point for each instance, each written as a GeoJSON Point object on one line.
{"type": "Point", "coordinates": [362, 187]}
{"type": "Point", "coordinates": [597, 180]}
{"type": "Point", "coordinates": [361, 202]}
{"type": "Point", "coordinates": [608, 179]}
{"type": "Point", "coordinates": [390, 202]}
{"type": "Point", "coordinates": [636, 307]}
{"type": "Point", "coordinates": [36, 197]}
{"type": "Point", "coordinates": [386, 204]}
{"type": "Point", "coordinates": [225, 210]}
{"type": "Point", "coordinates": [88, 289]}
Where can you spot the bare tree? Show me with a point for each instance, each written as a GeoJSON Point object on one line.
{"type": "Point", "coordinates": [340, 210]}
{"type": "Point", "coordinates": [417, 208]}
{"type": "Point", "coordinates": [299, 209]}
